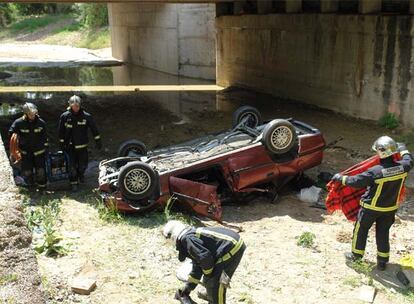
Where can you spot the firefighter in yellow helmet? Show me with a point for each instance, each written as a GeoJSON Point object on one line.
{"type": "Point", "coordinates": [380, 201]}
{"type": "Point", "coordinates": [30, 130]}
{"type": "Point", "coordinates": [215, 253]}
{"type": "Point", "coordinates": [73, 138]}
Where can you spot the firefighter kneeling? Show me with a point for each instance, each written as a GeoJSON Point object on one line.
{"type": "Point", "coordinates": [30, 132]}
{"type": "Point", "coordinates": [380, 201]}
{"type": "Point", "coordinates": [215, 253]}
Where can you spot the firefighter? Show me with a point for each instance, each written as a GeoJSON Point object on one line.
{"type": "Point", "coordinates": [30, 130]}
{"type": "Point", "coordinates": [73, 138]}
{"type": "Point", "coordinates": [381, 199]}
{"type": "Point", "coordinates": [215, 253]}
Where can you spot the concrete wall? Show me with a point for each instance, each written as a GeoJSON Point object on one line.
{"type": "Point", "coordinates": [173, 38]}
{"type": "Point", "coordinates": [354, 64]}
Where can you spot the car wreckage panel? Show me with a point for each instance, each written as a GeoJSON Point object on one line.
{"type": "Point", "coordinates": [199, 197]}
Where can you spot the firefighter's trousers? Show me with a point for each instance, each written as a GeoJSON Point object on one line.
{"type": "Point", "coordinates": [34, 164]}
{"type": "Point", "coordinates": [217, 291]}
{"type": "Point", "coordinates": [383, 221]}
{"type": "Point", "coordinates": [78, 162]}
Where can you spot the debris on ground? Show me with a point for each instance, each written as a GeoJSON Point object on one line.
{"type": "Point", "coordinates": [366, 293]}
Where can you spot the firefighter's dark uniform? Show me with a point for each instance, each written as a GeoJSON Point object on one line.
{"type": "Point", "coordinates": [32, 145]}
{"type": "Point", "coordinates": [212, 250]}
{"type": "Point", "coordinates": [379, 203]}
{"type": "Point", "coordinates": [73, 138]}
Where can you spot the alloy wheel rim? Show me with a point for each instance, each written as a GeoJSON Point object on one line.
{"type": "Point", "coordinates": [137, 181]}
{"type": "Point", "coordinates": [281, 137]}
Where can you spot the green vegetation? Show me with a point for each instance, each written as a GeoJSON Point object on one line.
{"type": "Point", "coordinates": [352, 281]}
{"type": "Point", "coordinates": [8, 278]}
{"type": "Point", "coordinates": [80, 25]}
{"type": "Point", "coordinates": [306, 240]}
{"type": "Point", "coordinates": [31, 24]}
{"type": "Point", "coordinates": [107, 213]}
{"type": "Point", "coordinates": [408, 295]}
{"type": "Point", "coordinates": [389, 121]}
{"type": "Point", "coordinates": [407, 138]}
{"type": "Point", "coordinates": [42, 221]}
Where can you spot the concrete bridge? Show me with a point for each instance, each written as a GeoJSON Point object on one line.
{"type": "Point", "coordinates": [351, 56]}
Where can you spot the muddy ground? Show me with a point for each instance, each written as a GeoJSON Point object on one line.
{"type": "Point", "coordinates": [131, 261]}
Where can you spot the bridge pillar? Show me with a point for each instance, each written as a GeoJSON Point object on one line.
{"type": "Point", "coordinates": [293, 6]}
{"type": "Point", "coordinates": [370, 6]}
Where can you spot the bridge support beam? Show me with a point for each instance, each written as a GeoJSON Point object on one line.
{"type": "Point", "coordinates": [329, 6]}
{"type": "Point", "coordinates": [369, 6]}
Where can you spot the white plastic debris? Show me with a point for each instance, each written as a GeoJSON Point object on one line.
{"type": "Point", "coordinates": [184, 270]}
{"type": "Point", "coordinates": [310, 195]}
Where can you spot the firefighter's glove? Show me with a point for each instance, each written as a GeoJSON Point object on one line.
{"type": "Point", "coordinates": [337, 177]}
{"type": "Point", "coordinates": [98, 144]}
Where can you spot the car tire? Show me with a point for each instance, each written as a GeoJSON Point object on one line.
{"type": "Point", "coordinates": [137, 181]}
{"type": "Point", "coordinates": [279, 136]}
{"type": "Point", "coordinates": [132, 147]}
{"type": "Point", "coordinates": [254, 116]}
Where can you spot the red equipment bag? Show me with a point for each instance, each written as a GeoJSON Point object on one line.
{"type": "Point", "coordinates": [346, 198]}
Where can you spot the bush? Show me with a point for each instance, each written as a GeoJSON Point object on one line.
{"type": "Point", "coordinates": [306, 239]}
{"type": "Point", "coordinates": [24, 9]}
{"type": "Point", "coordinates": [92, 15]}
{"type": "Point", "coordinates": [389, 121]}
{"type": "Point", "coordinates": [6, 14]}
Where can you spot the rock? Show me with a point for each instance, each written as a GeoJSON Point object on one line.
{"type": "Point", "coordinates": [409, 273]}
{"type": "Point", "coordinates": [82, 285]}
{"type": "Point", "coordinates": [366, 293]}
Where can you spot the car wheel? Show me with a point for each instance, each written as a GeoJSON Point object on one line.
{"type": "Point", "coordinates": [252, 114]}
{"type": "Point", "coordinates": [137, 181]}
{"type": "Point", "coordinates": [132, 148]}
{"type": "Point", "coordinates": [279, 136]}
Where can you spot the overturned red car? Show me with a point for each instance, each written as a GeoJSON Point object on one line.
{"type": "Point", "coordinates": [253, 156]}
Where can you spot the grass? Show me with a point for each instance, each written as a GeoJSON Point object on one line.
{"type": "Point", "coordinates": [73, 34]}
{"type": "Point", "coordinates": [107, 213]}
{"type": "Point", "coordinates": [95, 39]}
{"type": "Point", "coordinates": [389, 121]}
{"type": "Point", "coordinates": [8, 278]}
{"type": "Point", "coordinates": [306, 240]}
{"type": "Point", "coordinates": [352, 281]}
{"type": "Point", "coordinates": [33, 23]}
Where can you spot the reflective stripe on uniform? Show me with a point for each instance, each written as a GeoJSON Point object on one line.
{"type": "Point", "coordinates": [24, 130]}
{"type": "Point", "coordinates": [221, 294]}
{"type": "Point", "coordinates": [217, 235]}
{"type": "Point", "coordinates": [402, 153]}
{"type": "Point", "coordinates": [81, 146]}
{"type": "Point", "coordinates": [232, 252]}
{"type": "Point", "coordinates": [73, 183]}
{"type": "Point", "coordinates": [97, 137]}
{"type": "Point", "coordinates": [354, 240]}
{"type": "Point", "coordinates": [194, 280]}
{"type": "Point", "coordinates": [344, 180]}
{"type": "Point", "coordinates": [383, 254]}
{"type": "Point", "coordinates": [38, 130]}
{"type": "Point", "coordinates": [23, 152]}
{"type": "Point", "coordinates": [68, 125]}
{"type": "Point", "coordinates": [41, 185]}
{"type": "Point", "coordinates": [380, 182]}
{"type": "Point", "coordinates": [61, 140]}
{"type": "Point", "coordinates": [82, 123]}
{"type": "Point", "coordinates": [207, 271]}
{"type": "Point", "coordinates": [39, 152]}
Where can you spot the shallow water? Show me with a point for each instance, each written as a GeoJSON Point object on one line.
{"type": "Point", "coordinates": [162, 118]}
